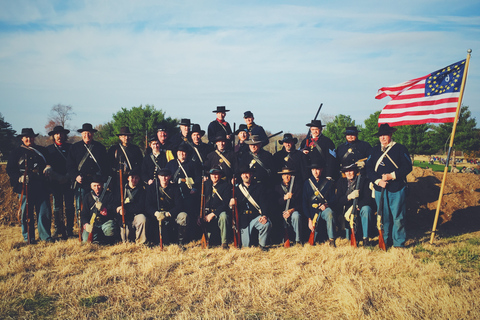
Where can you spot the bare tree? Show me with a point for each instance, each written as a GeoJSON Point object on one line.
{"type": "Point", "coordinates": [60, 114]}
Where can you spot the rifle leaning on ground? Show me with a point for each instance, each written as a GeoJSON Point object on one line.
{"type": "Point", "coordinates": [94, 215]}
{"type": "Point", "coordinates": [237, 242]}
{"type": "Point", "coordinates": [311, 239]}
{"type": "Point", "coordinates": [122, 200]}
{"type": "Point", "coordinates": [351, 213]}
{"type": "Point", "coordinates": [25, 191]}
{"type": "Point", "coordinates": [202, 217]}
{"type": "Point", "coordinates": [158, 209]}
{"type": "Point", "coordinates": [381, 241]}
{"type": "Point", "coordinates": [286, 238]}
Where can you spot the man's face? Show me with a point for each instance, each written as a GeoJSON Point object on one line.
{"type": "Point", "coordinates": [316, 173]}
{"type": "Point", "coordinates": [286, 178]}
{"type": "Point", "coordinates": [287, 146]}
{"type": "Point", "coordinates": [60, 137]}
{"type": "Point", "coordinates": [242, 135]}
{"type": "Point", "coordinates": [164, 180]}
{"type": "Point", "coordinates": [221, 116]}
{"type": "Point", "coordinates": [385, 139]}
{"type": "Point", "coordinates": [196, 138]}
{"type": "Point", "coordinates": [254, 148]}
{"type": "Point", "coordinates": [350, 137]}
{"type": "Point", "coordinates": [248, 120]}
{"type": "Point", "coordinates": [96, 187]}
{"type": "Point", "coordinates": [315, 131]}
{"type": "Point", "coordinates": [155, 145]}
{"type": "Point", "coordinates": [133, 180]}
{"type": "Point", "coordinates": [246, 177]}
{"type": "Point", "coordinates": [162, 136]}
{"type": "Point", "coordinates": [214, 177]}
{"type": "Point", "coordinates": [87, 136]}
{"type": "Point", "coordinates": [181, 155]}
{"type": "Point", "coordinates": [350, 174]}
{"type": "Point", "coordinates": [125, 139]}
{"type": "Point", "coordinates": [184, 130]}
{"type": "Point", "coordinates": [220, 145]}
{"type": "Point", "coordinates": [28, 140]}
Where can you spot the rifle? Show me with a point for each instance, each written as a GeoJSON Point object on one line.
{"type": "Point", "coordinates": [381, 241]}
{"type": "Point", "coordinates": [286, 238]}
{"type": "Point", "coordinates": [237, 242]}
{"type": "Point", "coordinates": [25, 190]}
{"type": "Point", "coordinates": [122, 200]}
{"type": "Point", "coordinates": [80, 227]}
{"type": "Point", "coordinates": [311, 240]}
{"type": "Point", "coordinates": [158, 209]}
{"type": "Point", "coordinates": [94, 215]}
{"type": "Point", "coordinates": [316, 116]}
{"type": "Point", "coordinates": [233, 137]}
{"type": "Point", "coordinates": [202, 217]}
{"type": "Point", "coordinates": [274, 135]}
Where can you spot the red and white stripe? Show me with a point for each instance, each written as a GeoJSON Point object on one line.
{"type": "Point", "coordinates": [409, 105]}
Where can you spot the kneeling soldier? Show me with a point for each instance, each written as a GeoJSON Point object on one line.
{"type": "Point", "coordinates": [164, 202]}
{"type": "Point", "coordinates": [134, 205]}
{"type": "Point", "coordinates": [252, 207]}
{"type": "Point", "coordinates": [318, 195]}
{"type": "Point", "coordinates": [98, 214]}
{"type": "Point", "coordinates": [217, 194]}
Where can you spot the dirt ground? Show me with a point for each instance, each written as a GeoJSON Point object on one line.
{"type": "Point", "coordinates": [459, 212]}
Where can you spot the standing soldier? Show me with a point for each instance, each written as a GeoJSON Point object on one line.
{"type": "Point", "coordinates": [183, 136]}
{"type": "Point", "coordinates": [60, 183]}
{"type": "Point", "coordinates": [86, 159]}
{"type": "Point", "coordinates": [125, 153]}
{"type": "Point", "coordinates": [252, 207]}
{"type": "Point", "coordinates": [318, 197]}
{"type": "Point", "coordinates": [27, 169]}
{"type": "Point", "coordinates": [259, 161]}
{"type": "Point", "coordinates": [254, 129]}
{"type": "Point", "coordinates": [290, 157]}
{"type": "Point", "coordinates": [134, 205]}
{"type": "Point", "coordinates": [217, 196]}
{"type": "Point", "coordinates": [289, 218]}
{"type": "Point", "coordinates": [320, 148]}
{"type": "Point", "coordinates": [353, 149]}
{"type": "Point", "coordinates": [388, 167]}
{"type": "Point", "coordinates": [198, 149]}
{"type": "Point", "coordinates": [241, 147]}
{"type": "Point", "coordinates": [221, 157]}
{"type": "Point", "coordinates": [98, 213]}
{"type": "Point", "coordinates": [348, 189]}
{"type": "Point", "coordinates": [220, 125]}
{"type": "Point", "coordinates": [164, 204]}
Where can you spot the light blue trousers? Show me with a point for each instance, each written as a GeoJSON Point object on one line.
{"type": "Point", "coordinates": [263, 232]}
{"type": "Point", "coordinates": [393, 216]}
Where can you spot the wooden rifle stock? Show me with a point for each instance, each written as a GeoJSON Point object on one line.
{"type": "Point", "coordinates": [311, 239]}
{"type": "Point", "coordinates": [353, 240]}
{"type": "Point", "coordinates": [27, 215]}
{"type": "Point", "coordinates": [202, 217]}
{"type": "Point", "coordinates": [381, 240]}
{"type": "Point", "coordinates": [158, 209]}
{"type": "Point", "coordinates": [286, 238]}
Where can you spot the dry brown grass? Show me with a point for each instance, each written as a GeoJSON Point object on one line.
{"type": "Point", "coordinates": [67, 280]}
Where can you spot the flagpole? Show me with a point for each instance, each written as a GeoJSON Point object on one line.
{"type": "Point", "coordinates": [457, 115]}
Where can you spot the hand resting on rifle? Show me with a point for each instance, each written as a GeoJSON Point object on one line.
{"type": "Point", "coordinates": [353, 195]}
{"type": "Point", "coordinates": [288, 213]}
{"type": "Point", "coordinates": [263, 219]}
{"type": "Point", "coordinates": [161, 215]}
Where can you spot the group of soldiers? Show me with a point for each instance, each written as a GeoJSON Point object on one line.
{"type": "Point", "coordinates": [181, 188]}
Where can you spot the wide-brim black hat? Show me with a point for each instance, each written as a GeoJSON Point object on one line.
{"type": "Point", "coordinates": [124, 131]}
{"type": "Point", "coordinates": [315, 123]}
{"type": "Point", "coordinates": [286, 170]}
{"type": "Point", "coordinates": [220, 137]}
{"type": "Point", "coordinates": [220, 109]}
{"type": "Point", "coordinates": [254, 139]}
{"type": "Point", "coordinates": [97, 178]}
{"type": "Point", "coordinates": [58, 129]}
{"type": "Point", "coordinates": [244, 169]}
{"type": "Point", "coordinates": [183, 147]}
{"type": "Point", "coordinates": [164, 172]}
{"type": "Point", "coordinates": [288, 137]}
{"type": "Point", "coordinates": [198, 129]}
{"type": "Point", "coordinates": [185, 122]}
{"type": "Point", "coordinates": [351, 131]}
{"type": "Point", "coordinates": [27, 132]}
{"type": "Point", "coordinates": [216, 170]}
{"type": "Point", "coordinates": [134, 172]}
{"type": "Point", "coordinates": [87, 127]}
{"type": "Point", "coordinates": [349, 167]}
{"type": "Point", "coordinates": [385, 129]}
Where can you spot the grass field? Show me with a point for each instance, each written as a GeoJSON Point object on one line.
{"type": "Point", "coordinates": [434, 167]}
{"type": "Point", "coordinates": [66, 280]}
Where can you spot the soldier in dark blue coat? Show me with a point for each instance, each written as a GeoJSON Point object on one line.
{"type": "Point", "coordinates": [220, 125]}
{"type": "Point", "coordinates": [60, 183]}
{"type": "Point", "coordinates": [255, 129]}
{"type": "Point", "coordinates": [217, 194]}
{"type": "Point", "coordinates": [28, 168]}
{"type": "Point", "coordinates": [318, 200]}
{"type": "Point", "coordinates": [292, 158]}
{"type": "Point", "coordinates": [221, 157]}
{"type": "Point", "coordinates": [252, 204]}
{"type": "Point", "coordinates": [183, 136]}
{"type": "Point", "coordinates": [388, 167]}
{"type": "Point", "coordinates": [353, 149]}
{"type": "Point", "coordinates": [259, 161]}
{"type": "Point", "coordinates": [241, 147]}
{"type": "Point", "coordinates": [198, 150]}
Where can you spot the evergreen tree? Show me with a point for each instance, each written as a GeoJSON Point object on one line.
{"type": "Point", "coordinates": [7, 138]}
{"type": "Point", "coordinates": [335, 129]}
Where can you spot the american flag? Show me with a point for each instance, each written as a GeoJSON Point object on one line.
{"type": "Point", "coordinates": [429, 99]}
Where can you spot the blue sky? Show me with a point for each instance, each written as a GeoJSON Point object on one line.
{"type": "Point", "coordinates": [278, 59]}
